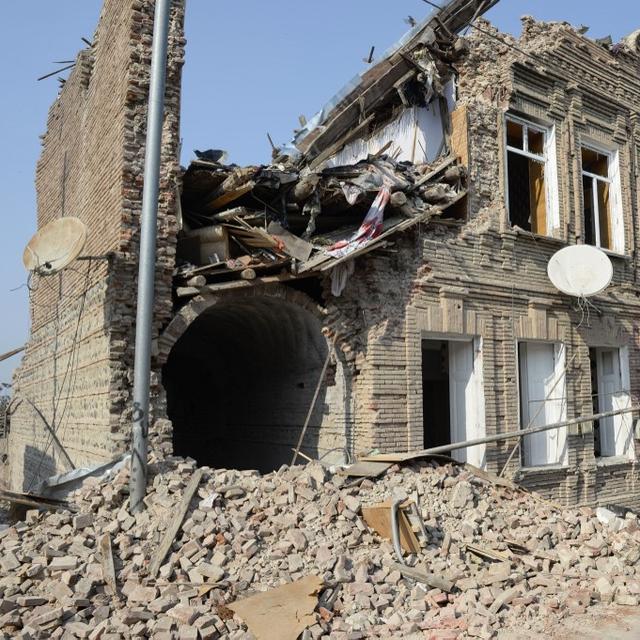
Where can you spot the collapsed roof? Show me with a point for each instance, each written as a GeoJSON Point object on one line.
{"type": "Point", "coordinates": [377, 159]}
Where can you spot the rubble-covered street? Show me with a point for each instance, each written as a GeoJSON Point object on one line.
{"type": "Point", "coordinates": [515, 562]}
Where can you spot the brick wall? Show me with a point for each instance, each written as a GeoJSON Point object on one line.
{"type": "Point", "coordinates": [482, 278]}
{"type": "Point", "coordinates": [77, 361]}
{"type": "Point", "coordinates": [476, 278]}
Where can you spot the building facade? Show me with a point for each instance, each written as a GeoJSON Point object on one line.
{"type": "Point", "coordinates": [449, 331]}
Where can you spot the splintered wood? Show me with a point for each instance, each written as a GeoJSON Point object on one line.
{"type": "Point", "coordinates": [106, 561]}
{"type": "Point", "coordinates": [378, 518]}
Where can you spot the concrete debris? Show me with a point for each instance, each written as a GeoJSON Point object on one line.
{"type": "Point", "coordinates": [506, 558]}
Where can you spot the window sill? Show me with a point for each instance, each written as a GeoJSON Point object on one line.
{"type": "Point", "coordinates": [614, 254]}
{"type": "Point", "coordinates": [544, 467]}
{"type": "Point", "coordinates": [518, 231]}
{"type": "Point", "coordinates": [613, 461]}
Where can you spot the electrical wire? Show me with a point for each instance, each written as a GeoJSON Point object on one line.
{"type": "Point", "coordinates": [72, 361]}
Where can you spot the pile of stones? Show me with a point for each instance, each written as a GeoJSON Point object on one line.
{"type": "Point", "coordinates": [515, 560]}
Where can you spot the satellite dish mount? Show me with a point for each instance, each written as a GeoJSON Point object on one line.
{"type": "Point", "coordinates": [55, 246]}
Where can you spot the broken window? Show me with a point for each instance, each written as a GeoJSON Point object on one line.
{"type": "Point", "coordinates": [531, 182]}
{"type": "Point", "coordinates": [601, 203]}
{"type": "Point", "coordinates": [542, 402]}
{"type": "Point", "coordinates": [609, 387]}
{"type": "Point", "coordinates": [453, 396]}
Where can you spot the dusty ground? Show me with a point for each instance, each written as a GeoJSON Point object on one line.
{"type": "Point", "coordinates": [601, 623]}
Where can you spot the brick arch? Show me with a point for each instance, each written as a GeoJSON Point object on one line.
{"type": "Point", "coordinates": [183, 319]}
{"type": "Point", "coordinates": [238, 372]}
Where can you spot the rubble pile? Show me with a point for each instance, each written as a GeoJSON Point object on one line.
{"type": "Point", "coordinates": [513, 558]}
{"type": "Point", "coordinates": [244, 222]}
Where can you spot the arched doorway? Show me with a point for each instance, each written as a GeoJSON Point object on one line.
{"type": "Point", "coordinates": [240, 379]}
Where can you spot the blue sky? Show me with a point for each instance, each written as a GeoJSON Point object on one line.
{"type": "Point", "coordinates": [252, 67]}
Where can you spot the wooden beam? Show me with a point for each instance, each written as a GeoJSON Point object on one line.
{"type": "Point", "coordinates": [9, 354]}
{"type": "Point", "coordinates": [419, 575]}
{"type": "Point", "coordinates": [106, 561]}
{"type": "Point", "coordinates": [175, 523]}
{"type": "Point", "coordinates": [237, 284]}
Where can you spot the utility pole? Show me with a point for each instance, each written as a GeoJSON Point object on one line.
{"type": "Point", "coordinates": [147, 260]}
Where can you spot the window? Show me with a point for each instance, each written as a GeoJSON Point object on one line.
{"type": "Point", "coordinates": [610, 391]}
{"type": "Point", "coordinates": [600, 191]}
{"type": "Point", "coordinates": [542, 402]}
{"type": "Point", "coordinates": [531, 177]}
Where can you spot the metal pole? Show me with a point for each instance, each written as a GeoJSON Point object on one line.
{"type": "Point", "coordinates": [500, 436]}
{"type": "Point", "coordinates": [147, 260]}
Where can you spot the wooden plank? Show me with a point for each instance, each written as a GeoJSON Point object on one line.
{"type": "Point", "coordinates": [420, 575]}
{"type": "Point", "coordinates": [483, 552]}
{"type": "Point", "coordinates": [378, 518]}
{"type": "Point", "coordinates": [293, 245]}
{"type": "Point", "coordinates": [406, 224]}
{"type": "Point", "coordinates": [106, 561]}
{"type": "Point", "coordinates": [11, 353]}
{"type": "Point", "coordinates": [334, 148]}
{"type": "Point", "coordinates": [366, 469]}
{"type": "Point", "coordinates": [237, 284]}
{"type": "Point", "coordinates": [460, 135]}
{"type": "Point", "coordinates": [175, 523]}
{"type": "Point", "coordinates": [363, 101]}
{"type": "Point", "coordinates": [228, 197]}
{"type": "Point", "coordinates": [317, 261]}
{"type": "Point", "coordinates": [434, 172]}
{"type": "Point", "coordinates": [187, 292]}
{"type": "Point", "coordinates": [34, 501]}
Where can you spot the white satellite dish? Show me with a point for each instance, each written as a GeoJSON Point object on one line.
{"type": "Point", "coordinates": [55, 246]}
{"type": "Point", "coordinates": [580, 270]}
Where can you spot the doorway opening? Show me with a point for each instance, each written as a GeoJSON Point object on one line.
{"type": "Point", "coordinates": [240, 381]}
{"type": "Point", "coordinates": [453, 396]}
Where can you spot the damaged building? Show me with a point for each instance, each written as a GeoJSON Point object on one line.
{"type": "Point", "coordinates": [383, 281]}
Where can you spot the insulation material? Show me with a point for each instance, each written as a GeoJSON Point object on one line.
{"type": "Point", "coordinates": [416, 135]}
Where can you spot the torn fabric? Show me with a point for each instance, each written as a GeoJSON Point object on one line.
{"type": "Point", "coordinates": [370, 228]}
{"type": "Point", "coordinates": [339, 276]}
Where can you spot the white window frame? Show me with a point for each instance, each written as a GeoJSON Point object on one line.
{"type": "Point", "coordinates": [548, 159]}
{"type": "Point", "coordinates": [557, 396]}
{"type": "Point", "coordinates": [615, 196]}
{"type": "Point", "coordinates": [622, 424]}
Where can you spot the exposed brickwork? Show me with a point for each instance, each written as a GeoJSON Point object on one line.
{"type": "Point", "coordinates": [480, 278]}
{"type": "Point", "coordinates": [484, 279]}
{"type": "Point", "coordinates": [76, 365]}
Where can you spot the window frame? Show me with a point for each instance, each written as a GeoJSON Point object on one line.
{"type": "Point", "coordinates": [616, 211]}
{"type": "Point", "coordinates": [549, 161]}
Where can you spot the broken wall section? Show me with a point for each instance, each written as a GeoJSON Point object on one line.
{"type": "Point", "coordinates": [74, 368]}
